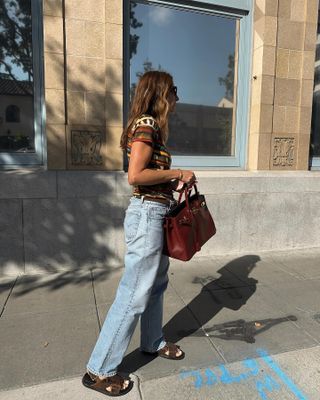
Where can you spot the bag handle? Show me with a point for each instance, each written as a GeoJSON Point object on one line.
{"type": "Point", "coordinates": [187, 190]}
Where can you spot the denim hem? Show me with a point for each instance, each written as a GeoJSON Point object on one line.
{"type": "Point", "coordinates": [161, 346]}
{"type": "Point", "coordinates": [101, 376]}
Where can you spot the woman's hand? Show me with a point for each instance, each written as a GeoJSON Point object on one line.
{"type": "Point", "coordinates": [187, 177]}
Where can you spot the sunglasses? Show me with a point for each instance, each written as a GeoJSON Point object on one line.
{"type": "Point", "coordinates": [174, 89]}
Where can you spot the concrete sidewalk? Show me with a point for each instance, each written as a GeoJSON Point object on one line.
{"type": "Point", "coordinates": [250, 327]}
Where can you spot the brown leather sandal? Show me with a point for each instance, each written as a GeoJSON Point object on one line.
{"type": "Point", "coordinates": [110, 386]}
{"type": "Point", "coordinates": [169, 351]}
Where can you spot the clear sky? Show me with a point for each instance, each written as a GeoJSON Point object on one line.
{"type": "Point", "coordinates": [193, 47]}
{"type": "Point", "coordinates": [16, 71]}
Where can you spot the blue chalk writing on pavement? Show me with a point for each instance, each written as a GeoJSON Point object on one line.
{"type": "Point", "coordinates": [198, 382]}
{"type": "Point", "coordinates": [285, 379]}
{"type": "Point", "coordinates": [267, 384]}
{"type": "Point", "coordinates": [264, 383]}
{"type": "Point", "coordinates": [252, 366]}
{"type": "Point", "coordinates": [211, 377]}
{"type": "Point", "coordinates": [227, 378]}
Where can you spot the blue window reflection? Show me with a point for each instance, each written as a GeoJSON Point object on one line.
{"type": "Point", "coordinates": [200, 51]}
{"type": "Point", "coordinates": [16, 77]}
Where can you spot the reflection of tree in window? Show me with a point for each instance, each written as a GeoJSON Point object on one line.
{"type": "Point", "coordinates": [134, 24]}
{"type": "Point", "coordinates": [224, 116]}
{"type": "Point", "coordinates": [12, 114]}
{"type": "Point", "coordinates": [147, 66]}
{"type": "Point", "coordinates": [16, 39]}
{"type": "Point", "coordinates": [228, 80]}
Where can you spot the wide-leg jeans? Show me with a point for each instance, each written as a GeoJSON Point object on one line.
{"type": "Point", "coordinates": [140, 291]}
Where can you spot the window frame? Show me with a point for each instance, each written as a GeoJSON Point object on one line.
{"type": "Point", "coordinates": [314, 162]}
{"type": "Point", "coordinates": [11, 160]}
{"type": "Point", "coordinates": [243, 10]}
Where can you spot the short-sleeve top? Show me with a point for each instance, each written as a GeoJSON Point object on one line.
{"type": "Point", "coordinates": [147, 130]}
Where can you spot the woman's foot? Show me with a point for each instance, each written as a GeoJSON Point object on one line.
{"type": "Point", "coordinates": [111, 386]}
{"type": "Point", "coordinates": [171, 351]}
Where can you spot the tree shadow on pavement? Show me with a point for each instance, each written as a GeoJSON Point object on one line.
{"type": "Point", "coordinates": [232, 290]}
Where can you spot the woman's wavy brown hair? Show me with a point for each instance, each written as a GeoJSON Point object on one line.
{"type": "Point", "coordinates": [150, 98]}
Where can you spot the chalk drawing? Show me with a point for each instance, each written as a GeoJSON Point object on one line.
{"type": "Point", "coordinates": [211, 377]}
{"type": "Point", "coordinates": [267, 384]}
{"type": "Point", "coordinates": [227, 378]}
{"type": "Point", "coordinates": [264, 382]}
{"type": "Point", "coordinates": [285, 379]}
{"type": "Point", "coordinates": [198, 382]}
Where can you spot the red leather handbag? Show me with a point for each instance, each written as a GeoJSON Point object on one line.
{"type": "Point", "coordinates": [188, 226]}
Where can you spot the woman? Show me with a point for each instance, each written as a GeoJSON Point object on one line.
{"type": "Point", "coordinates": [145, 278]}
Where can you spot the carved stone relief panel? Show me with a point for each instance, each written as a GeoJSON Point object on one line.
{"type": "Point", "coordinates": [283, 152]}
{"type": "Point", "coordinates": [86, 147]}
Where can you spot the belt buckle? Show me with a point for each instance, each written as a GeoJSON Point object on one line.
{"type": "Point", "coordinates": [150, 198]}
{"type": "Point", "coordinates": [167, 202]}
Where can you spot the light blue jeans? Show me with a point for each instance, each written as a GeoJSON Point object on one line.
{"type": "Point", "coordinates": [140, 291]}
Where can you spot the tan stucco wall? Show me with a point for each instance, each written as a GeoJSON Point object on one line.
{"type": "Point", "coordinates": [282, 83]}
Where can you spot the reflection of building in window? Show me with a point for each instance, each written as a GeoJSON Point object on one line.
{"type": "Point", "coordinates": [16, 114]}
{"type": "Point", "coordinates": [201, 130]}
{"type": "Point", "coordinates": [12, 113]}
{"type": "Point", "coordinates": [224, 102]}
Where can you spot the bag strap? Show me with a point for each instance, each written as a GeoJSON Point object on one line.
{"type": "Point", "coordinates": [186, 192]}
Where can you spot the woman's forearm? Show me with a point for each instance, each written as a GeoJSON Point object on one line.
{"type": "Point", "coordinates": [153, 176]}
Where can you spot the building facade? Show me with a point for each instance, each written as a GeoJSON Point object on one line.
{"type": "Point", "coordinates": [247, 122]}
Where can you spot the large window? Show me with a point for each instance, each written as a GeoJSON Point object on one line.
{"type": "Point", "coordinates": [20, 83]}
{"type": "Point", "coordinates": [207, 50]}
{"type": "Point", "coordinates": [315, 124]}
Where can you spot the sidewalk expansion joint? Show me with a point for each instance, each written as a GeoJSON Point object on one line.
{"type": "Point", "coordinates": [306, 332]}
{"type": "Point", "coordinates": [216, 348]}
{"type": "Point", "coordinates": [205, 335]}
{"type": "Point", "coordinates": [95, 299]}
{"type": "Point", "coordinates": [139, 386]}
{"type": "Point", "coordinates": [284, 268]}
{"type": "Point", "coordinates": [7, 299]}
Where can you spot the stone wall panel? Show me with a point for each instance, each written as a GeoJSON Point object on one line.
{"type": "Point", "coordinates": [85, 10]}
{"type": "Point", "coordinates": [52, 8]}
{"type": "Point", "coordinates": [11, 237]}
{"type": "Point", "coordinates": [71, 233]}
{"type": "Point", "coordinates": [57, 152]}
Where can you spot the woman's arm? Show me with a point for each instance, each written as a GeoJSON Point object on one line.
{"type": "Point", "coordinates": [138, 174]}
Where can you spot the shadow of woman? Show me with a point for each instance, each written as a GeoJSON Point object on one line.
{"type": "Point", "coordinates": [231, 290]}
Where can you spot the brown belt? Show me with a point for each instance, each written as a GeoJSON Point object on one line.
{"type": "Point", "coordinates": [149, 198]}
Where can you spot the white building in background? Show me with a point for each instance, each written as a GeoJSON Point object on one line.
{"type": "Point", "coordinates": [225, 103]}
{"type": "Point", "coordinates": [16, 109]}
